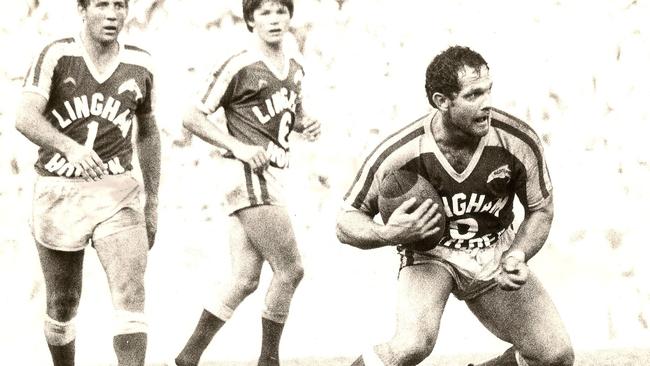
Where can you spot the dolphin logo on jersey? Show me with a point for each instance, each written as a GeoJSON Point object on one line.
{"type": "Point", "coordinates": [132, 86]}
{"type": "Point", "coordinates": [498, 180]}
{"type": "Point", "coordinates": [502, 172]}
{"type": "Point", "coordinates": [262, 83]}
{"type": "Point", "coordinates": [70, 80]}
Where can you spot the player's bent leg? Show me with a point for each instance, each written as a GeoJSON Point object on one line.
{"type": "Point", "coordinates": [63, 278]}
{"type": "Point", "coordinates": [246, 264]}
{"type": "Point", "coordinates": [269, 230]}
{"type": "Point", "coordinates": [122, 248]}
{"type": "Point", "coordinates": [527, 319]}
{"type": "Point", "coordinates": [246, 267]}
{"type": "Point", "coordinates": [423, 291]}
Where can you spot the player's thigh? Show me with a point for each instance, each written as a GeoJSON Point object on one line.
{"type": "Point", "coordinates": [526, 318]}
{"type": "Point", "coordinates": [246, 260]}
{"type": "Point", "coordinates": [269, 230]}
{"type": "Point", "coordinates": [423, 291]}
{"type": "Point", "coordinates": [62, 272]}
{"type": "Point", "coordinates": [122, 248]}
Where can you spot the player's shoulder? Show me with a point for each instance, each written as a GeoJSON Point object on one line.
{"type": "Point", "coordinates": [512, 128]}
{"type": "Point", "coordinates": [64, 46]}
{"type": "Point", "coordinates": [399, 146]}
{"type": "Point", "coordinates": [234, 61]}
{"type": "Point", "coordinates": [138, 56]}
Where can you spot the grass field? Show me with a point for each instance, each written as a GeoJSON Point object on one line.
{"type": "Point", "coordinates": [610, 357]}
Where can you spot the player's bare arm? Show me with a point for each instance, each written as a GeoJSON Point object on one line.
{"type": "Point", "coordinates": [197, 122]}
{"type": "Point", "coordinates": [359, 230]}
{"type": "Point", "coordinates": [529, 239]}
{"type": "Point", "coordinates": [31, 123]}
{"type": "Point", "coordinates": [148, 142]}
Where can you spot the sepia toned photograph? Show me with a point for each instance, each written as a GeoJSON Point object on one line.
{"type": "Point", "coordinates": [324, 182]}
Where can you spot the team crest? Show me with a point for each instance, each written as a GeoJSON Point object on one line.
{"type": "Point", "coordinates": [498, 180]}
{"type": "Point", "coordinates": [70, 80]}
{"type": "Point", "coordinates": [132, 86]}
{"type": "Point", "coordinates": [262, 83]}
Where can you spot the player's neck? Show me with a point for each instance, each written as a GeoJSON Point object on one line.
{"type": "Point", "coordinates": [451, 137]}
{"type": "Point", "coordinates": [272, 51]}
{"type": "Point", "coordinates": [101, 54]}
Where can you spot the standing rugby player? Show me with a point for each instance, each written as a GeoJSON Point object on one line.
{"type": "Point", "coordinates": [82, 97]}
{"type": "Point", "coordinates": [259, 90]}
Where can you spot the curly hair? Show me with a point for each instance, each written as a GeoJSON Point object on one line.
{"type": "Point", "coordinates": [249, 6]}
{"type": "Point", "coordinates": [442, 72]}
{"type": "Point", "coordinates": [84, 3]}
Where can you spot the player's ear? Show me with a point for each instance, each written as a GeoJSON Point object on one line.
{"type": "Point", "coordinates": [441, 101]}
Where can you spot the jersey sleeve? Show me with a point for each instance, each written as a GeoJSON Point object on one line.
{"type": "Point", "coordinates": [41, 71]}
{"type": "Point", "coordinates": [536, 188]}
{"type": "Point", "coordinates": [213, 93]}
{"type": "Point", "coordinates": [363, 195]}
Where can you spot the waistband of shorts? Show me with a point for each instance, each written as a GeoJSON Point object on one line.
{"type": "Point", "coordinates": [56, 178]}
{"type": "Point", "coordinates": [484, 241]}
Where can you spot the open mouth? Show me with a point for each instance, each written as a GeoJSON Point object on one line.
{"type": "Point", "coordinates": [110, 28]}
{"type": "Point", "coordinates": [275, 31]}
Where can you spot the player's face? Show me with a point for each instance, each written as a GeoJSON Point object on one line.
{"type": "Point", "coordinates": [271, 21]}
{"type": "Point", "coordinates": [104, 19]}
{"type": "Point", "coordinates": [469, 111]}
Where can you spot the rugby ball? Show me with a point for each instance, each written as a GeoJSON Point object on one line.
{"type": "Point", "coordinates": [401, 185]}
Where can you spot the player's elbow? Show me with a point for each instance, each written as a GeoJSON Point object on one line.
{"type": "Point", "coordinates": [190, 120]}
{"type": "Point", "coordinates": [23, 122]}
{"type": "Point", "coordinates": [545, 212]}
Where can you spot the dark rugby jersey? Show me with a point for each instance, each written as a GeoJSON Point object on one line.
{"type": "Point", "coordinates": [478, 201]}
{"type": "Point", "coordinates": [259, 104]}
{"type": "Point", "coordinates": [91, 108]}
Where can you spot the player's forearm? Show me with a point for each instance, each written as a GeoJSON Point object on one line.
{"type": "Point", "coordinates": [148, 143]}
{"type": "Point", "coordinates": [38, 130]}
{"type": "Point", "coordinates": [533, 231]}
{"type": "Point", "coordinates": [198, 124]}
{"type": "Point", "coordinates": [359, 230]}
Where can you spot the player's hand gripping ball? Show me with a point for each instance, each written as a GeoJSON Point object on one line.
{"type": "Point", "coordinates": [401, 185]}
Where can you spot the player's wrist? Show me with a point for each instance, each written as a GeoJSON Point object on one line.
{"type": "Point", "coordinates": [517, 254]}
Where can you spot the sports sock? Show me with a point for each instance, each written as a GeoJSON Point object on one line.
{"type": "Point", "coordinates": [205, 330]}
{"type": "Point", "coordinates": [271, 334]}
{"type": "Point", "coordinates": [63, 355]}
{"type": "Point", "coordinates": [130, 348]}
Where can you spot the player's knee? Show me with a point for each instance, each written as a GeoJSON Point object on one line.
{"type": "Point", "coordinates": [556, 356]}
{"type": "Point", "coordinates": [63, 305]}
{"type": "Point", "coordinates": [291, 275]}
{"type": "Point", "coordinates": [561, 356]}
{"type": "Point", "coordinates": [415, 350]}
{"type": "Point", "coordinates": [59, 333]}
{"type": "Point", "coordinates": [128, 322]}
{"type": "Point", "coordinates": [247, 285]}
{"type": "Point", "coordinates": [130, 295]}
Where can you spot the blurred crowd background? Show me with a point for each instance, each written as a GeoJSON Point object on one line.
{"type": "Point", "coordinates": [576, 70]}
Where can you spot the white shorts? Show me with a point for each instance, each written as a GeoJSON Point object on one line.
{"type": "Point", "coordinates": [474, 270]}
{"type": "Point", "coordinates": [242, 188]}
{"type": "Point", "coordinates": [67, 213]}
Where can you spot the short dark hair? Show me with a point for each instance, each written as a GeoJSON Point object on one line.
{"type": "Point", "coordinates": [84, 3]}
{"type": "Point", "coordinates": [442, 72]}
{"type": "Point", "coordinates": [249, 6]}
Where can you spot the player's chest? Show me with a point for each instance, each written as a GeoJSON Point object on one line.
{"type": "Point", "coordinates": [491, 173]}
{"type": "Point", "coordinates": [76, 93]}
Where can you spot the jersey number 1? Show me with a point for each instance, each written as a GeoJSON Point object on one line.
{"type": "Point", "coordinates": [92, 134]}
